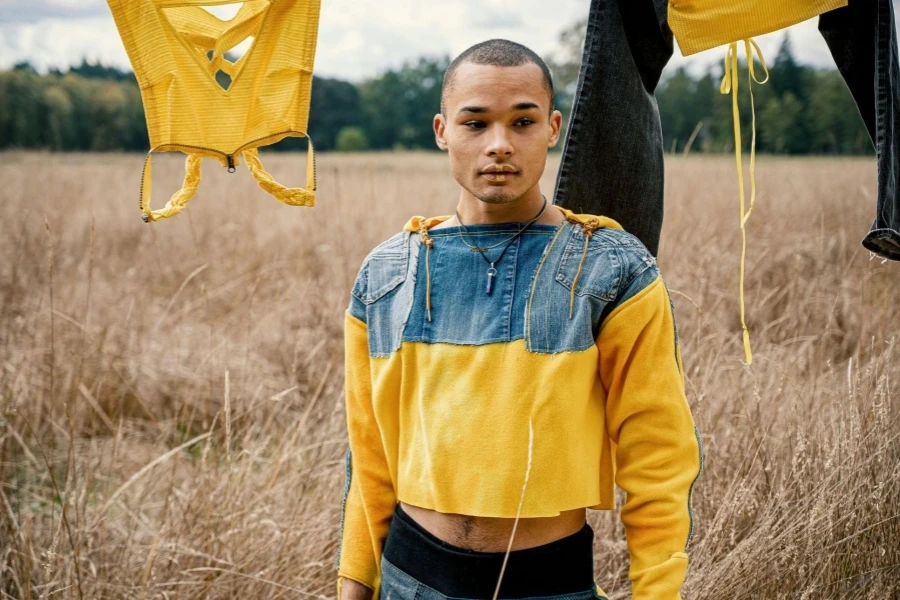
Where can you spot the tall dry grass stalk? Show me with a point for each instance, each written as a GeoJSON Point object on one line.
{"type": "Point", "coordinates": [171, 397]}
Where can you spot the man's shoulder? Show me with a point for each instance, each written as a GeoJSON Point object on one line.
{"type": "Point", "coordinates": [633, 256]}
{"type": "Point", "coordinates": [620, 259]}
{"type": "Point", "coordinates": [383, 268]}
{"type": "Point", "coordinates": [389, 246]}
{"type": "Point", "coordinates": [621, 253]}
{"type": "Point", "coordinates": [609, 238]}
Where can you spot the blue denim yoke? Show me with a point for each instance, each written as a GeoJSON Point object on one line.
{"type": "Point", "coordinates": [531, 292]}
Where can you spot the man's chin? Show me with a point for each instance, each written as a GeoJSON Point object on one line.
{"type": "Point", "coordinates": [498, 196]}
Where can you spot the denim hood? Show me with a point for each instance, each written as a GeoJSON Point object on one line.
{"type": "Point", "coordinates": [589, 223]}
{"type": "Point", "coordinates": [416, 223]}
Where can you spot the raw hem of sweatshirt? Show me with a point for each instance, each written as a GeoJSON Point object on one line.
{"type": "Point", "coordinates": [483, 512]}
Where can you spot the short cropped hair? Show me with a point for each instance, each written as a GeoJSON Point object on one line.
{"type": "Point", "coordinates": [499, 53]}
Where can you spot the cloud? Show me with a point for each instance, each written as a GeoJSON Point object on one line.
{"type": "Point", "coordinates": [60, 42]}
{"type": "Point", "coordinates": [357, 39]}
{"type": "Point", "coordinates": [390, 32]}
{"type": "Point", "coordinates": [34, 11]}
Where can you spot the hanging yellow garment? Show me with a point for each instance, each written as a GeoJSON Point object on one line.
{"type": "Point", "coordinates": [703, 24]}
{"type": "Point", "coordinates": [177, 48]}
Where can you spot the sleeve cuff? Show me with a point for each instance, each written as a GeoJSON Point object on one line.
{"type": "Point", "coordinates": [340, 581]}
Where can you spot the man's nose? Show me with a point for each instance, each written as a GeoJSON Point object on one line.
{"type": "Point", "coordinates": [500, 144]}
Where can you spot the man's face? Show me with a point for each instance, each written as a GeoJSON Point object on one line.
{"type": "Point", "coordinates": [497, 117]}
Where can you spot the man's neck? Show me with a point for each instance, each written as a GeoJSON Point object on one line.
{"type": "Point", "coordinates": [473, 211]}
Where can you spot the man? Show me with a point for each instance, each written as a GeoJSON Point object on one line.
{"type": "Point", "coordinates": [506, 368]}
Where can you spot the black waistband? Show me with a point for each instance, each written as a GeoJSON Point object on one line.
{"type": "Point", "coordinates": [563, 566]}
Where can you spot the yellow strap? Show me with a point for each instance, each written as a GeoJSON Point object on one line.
{"type": "Point", "coordinates": [291, 196]}
{"type": "Point", "coordinates": [205, 31]}
{"type": "Point", "coordinates": [179, 199]}
{"type": "Point", "coordinates": [244, 24]}
{"type": "Point", "coordinates": [730, 84]}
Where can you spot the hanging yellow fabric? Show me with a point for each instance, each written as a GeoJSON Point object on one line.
{"type": "Point", "coordinates": [730, 84]}
{"type": "Point", "coordinates": [703, 24]}
{"type": "Point", "coordinates": [177, 49]}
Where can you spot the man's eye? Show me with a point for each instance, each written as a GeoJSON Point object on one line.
{"type": "Point", "coordinates": [477, 124]}
{"type": "Point", "coordinates": [526, 121]}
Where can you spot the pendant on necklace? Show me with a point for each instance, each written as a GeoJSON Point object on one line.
{"type": "Point", "coordinates": [491, 273]}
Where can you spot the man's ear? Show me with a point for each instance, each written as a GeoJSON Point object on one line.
{"type": "Point", "coordinates": [439, 129]}
{"type": "Point", "coordinates": [555, 126]}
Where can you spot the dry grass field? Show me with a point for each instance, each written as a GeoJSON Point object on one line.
{"type": "Point", "coordinates": [171, 411]}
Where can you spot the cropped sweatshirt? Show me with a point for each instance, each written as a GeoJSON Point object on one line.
{"type": "Point", "coordinates": [542, 395]}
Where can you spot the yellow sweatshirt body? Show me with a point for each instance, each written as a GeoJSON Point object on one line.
{"type": "Point", "coordinates": [446, 383]}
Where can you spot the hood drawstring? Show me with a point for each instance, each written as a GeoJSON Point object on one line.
{"type": "Point", "coordinates": [429, 242]}
{"type": "Point", "coordinates": [587, 228]}
{"type": "Point", "coordinates": [730, 85]}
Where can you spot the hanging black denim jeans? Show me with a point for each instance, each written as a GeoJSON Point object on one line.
{"type": "Point", "coordinates": [862, 38]}
{"type": "Point", "coordinates": [612, 158]}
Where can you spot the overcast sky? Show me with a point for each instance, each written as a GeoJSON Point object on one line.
{"type": "Point", "coordinates": [357, 39]}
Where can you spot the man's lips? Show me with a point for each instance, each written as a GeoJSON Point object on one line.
{"type": "Point", "coordinates": [499, 173]}
{"type": "Point", "coordinates": [499, 169]}
{"type": "Point", "coordinates": [495, 176]}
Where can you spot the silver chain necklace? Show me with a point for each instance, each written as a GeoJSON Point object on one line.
{"type": "Point", "coordinates": [492, 272]}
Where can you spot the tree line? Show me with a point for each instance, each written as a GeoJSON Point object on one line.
{"type": "Point", "coordinates": [801, 110]}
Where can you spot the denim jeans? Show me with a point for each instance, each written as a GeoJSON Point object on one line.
{"type": "Point", "coordinates": [397, 585]}
{"type": "Point", "coordinates": [862, 38]}
{"type": "Point", "coordinates": [612, 158]}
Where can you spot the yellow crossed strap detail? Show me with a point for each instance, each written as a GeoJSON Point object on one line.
{"type": "Point", "coordinates": [730, 84]}
{"type": "Point", "coordinates": [205, 31]}
{"type": "Point", "coordinates": [179, 199]}
{"type": "Point", "coordinates": [245, 24]}
{"type": "Point", "coordinates": [291, 196]}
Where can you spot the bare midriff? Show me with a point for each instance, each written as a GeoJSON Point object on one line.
{"type": "Point", "coordinates": [492, 534]}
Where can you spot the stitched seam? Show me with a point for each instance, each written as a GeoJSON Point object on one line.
{"type": "Point", "coordinates": [499, 341]}
{"type": "Point", "coordinates": [344, 508]}
{"type": "Point", "coordinates": [386, 289]}
{"type": "Point", "coordinates": [394, 248]}
{"type": "Point", "coordinates": [534, 280]}
{"type": "Point", "coordinates": [583, 291]}
{"type": "Point", "coordinates": [356, 321]}
{"type": "Point", "coordinates": [389, 566]}
{"type": "Point", "coordinates": [633, 300]}
{"type": "Point", "coordinates": [691, 489]}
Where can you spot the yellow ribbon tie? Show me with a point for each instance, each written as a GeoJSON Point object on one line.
{"type": "Point", "coordinates": [179, 199]}
{"type": "Point", "coordinates": [290, 196]}
{"type": "Point", "coordinates": [428, 241]}
{"type": "Point", "coordinates": [730, 84]}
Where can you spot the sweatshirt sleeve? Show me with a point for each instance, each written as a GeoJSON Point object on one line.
{"type": "Point", "coordinates": [369, 496]}
{"type": "Point", "coordinates": [657, 448]}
